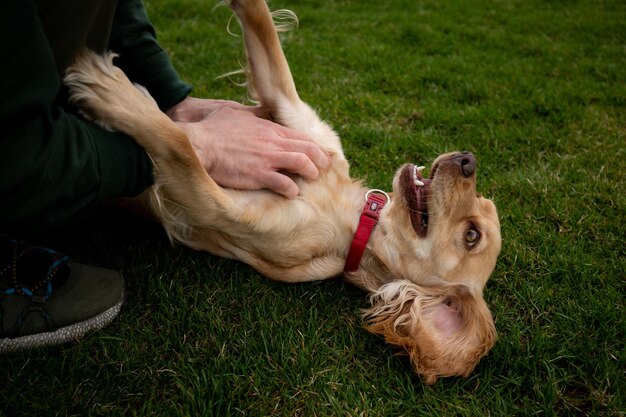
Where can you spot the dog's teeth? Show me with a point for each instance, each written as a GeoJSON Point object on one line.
{"type": "Point", "coordinates": [416, 179]}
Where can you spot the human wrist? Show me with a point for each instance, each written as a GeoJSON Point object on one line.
{"type": "Point", "coordinates": [173, 109]}
{"type": "Point", "coordinates": [198, 140]}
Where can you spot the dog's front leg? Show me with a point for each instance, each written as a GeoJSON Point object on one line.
{"type": "Point", "coordinates": [105, 95]}
{"type": "Point", "coordinates": [269, 77]}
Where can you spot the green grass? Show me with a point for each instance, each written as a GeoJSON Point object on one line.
{"type": "Point", "coordinates": [536, 89]}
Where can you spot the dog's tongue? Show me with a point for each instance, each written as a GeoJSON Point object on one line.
{"type": "Point", "coordinates": [422, 194]}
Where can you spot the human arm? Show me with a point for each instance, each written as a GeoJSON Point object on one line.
{"type": "Point", "coordinates": [142, 58]}
{"type": "Point", "coordinates": [52, 163]}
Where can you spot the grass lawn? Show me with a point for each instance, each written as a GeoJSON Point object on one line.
{"type": "Point", "coordinates": [537, 90]}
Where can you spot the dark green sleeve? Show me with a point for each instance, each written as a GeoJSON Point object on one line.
{"type": "Point", "coordinates": [141, 57]}
{"type": "Point", "coordinates": [52, 163]}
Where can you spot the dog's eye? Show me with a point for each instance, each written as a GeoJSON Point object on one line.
{"type": "Point", "coordinates": [472, 236]}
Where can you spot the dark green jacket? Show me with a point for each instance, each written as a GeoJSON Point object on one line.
{"type": "Point", "coordinates": [53, 163]}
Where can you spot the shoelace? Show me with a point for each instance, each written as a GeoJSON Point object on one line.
{"type": "Point", "coordinates": [37, 301]}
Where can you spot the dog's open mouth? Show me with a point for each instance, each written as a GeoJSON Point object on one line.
{"type": "Point", "coordinates": [416, 190]}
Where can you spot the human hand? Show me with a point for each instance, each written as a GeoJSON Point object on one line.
{"type": "Point", "coordinates": [240, 149]}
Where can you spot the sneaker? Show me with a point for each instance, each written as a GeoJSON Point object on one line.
{"type": "Point", "coordinates": [46, 299]}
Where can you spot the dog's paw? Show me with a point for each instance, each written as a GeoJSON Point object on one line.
{"type": "Point", "coordinates": [86, 80]}
{"type": "Point", "coordinates": [102, 91]}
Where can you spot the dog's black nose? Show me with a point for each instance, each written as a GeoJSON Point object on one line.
{"type": "Point", "coordinates": [467, 163]}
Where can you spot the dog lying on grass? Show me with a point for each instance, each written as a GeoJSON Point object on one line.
{"type": "Point", "coordinates": [423, 252]}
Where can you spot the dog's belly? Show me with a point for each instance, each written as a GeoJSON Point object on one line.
{"type": "Point", "coordinates": [295, 239]}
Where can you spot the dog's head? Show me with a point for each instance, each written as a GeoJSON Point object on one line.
{"type": "Point", "coordinates": [432, 253]}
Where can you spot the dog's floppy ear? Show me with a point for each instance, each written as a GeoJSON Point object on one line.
{"type": "Point", "coordinates": [444, 329]}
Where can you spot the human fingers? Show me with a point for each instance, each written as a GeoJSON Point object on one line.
{"type": "Point", "coordinates": [309, 148]}
{"type": "Point", "coordinates": [297, 141]}
{"type": "Point", "coordinates": [281, 184]}
{"type": "Point", "coordinates": [296, 163]}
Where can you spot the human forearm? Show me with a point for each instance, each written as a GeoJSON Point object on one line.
{"type": "Point", "coordinates": [142, 58]}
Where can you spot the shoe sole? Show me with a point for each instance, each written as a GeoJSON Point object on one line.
{"type": "Point", "coordinates": [62, 335]}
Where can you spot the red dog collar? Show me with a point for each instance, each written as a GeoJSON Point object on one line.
{"type": "Point", "coordinates": [375, 200]}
